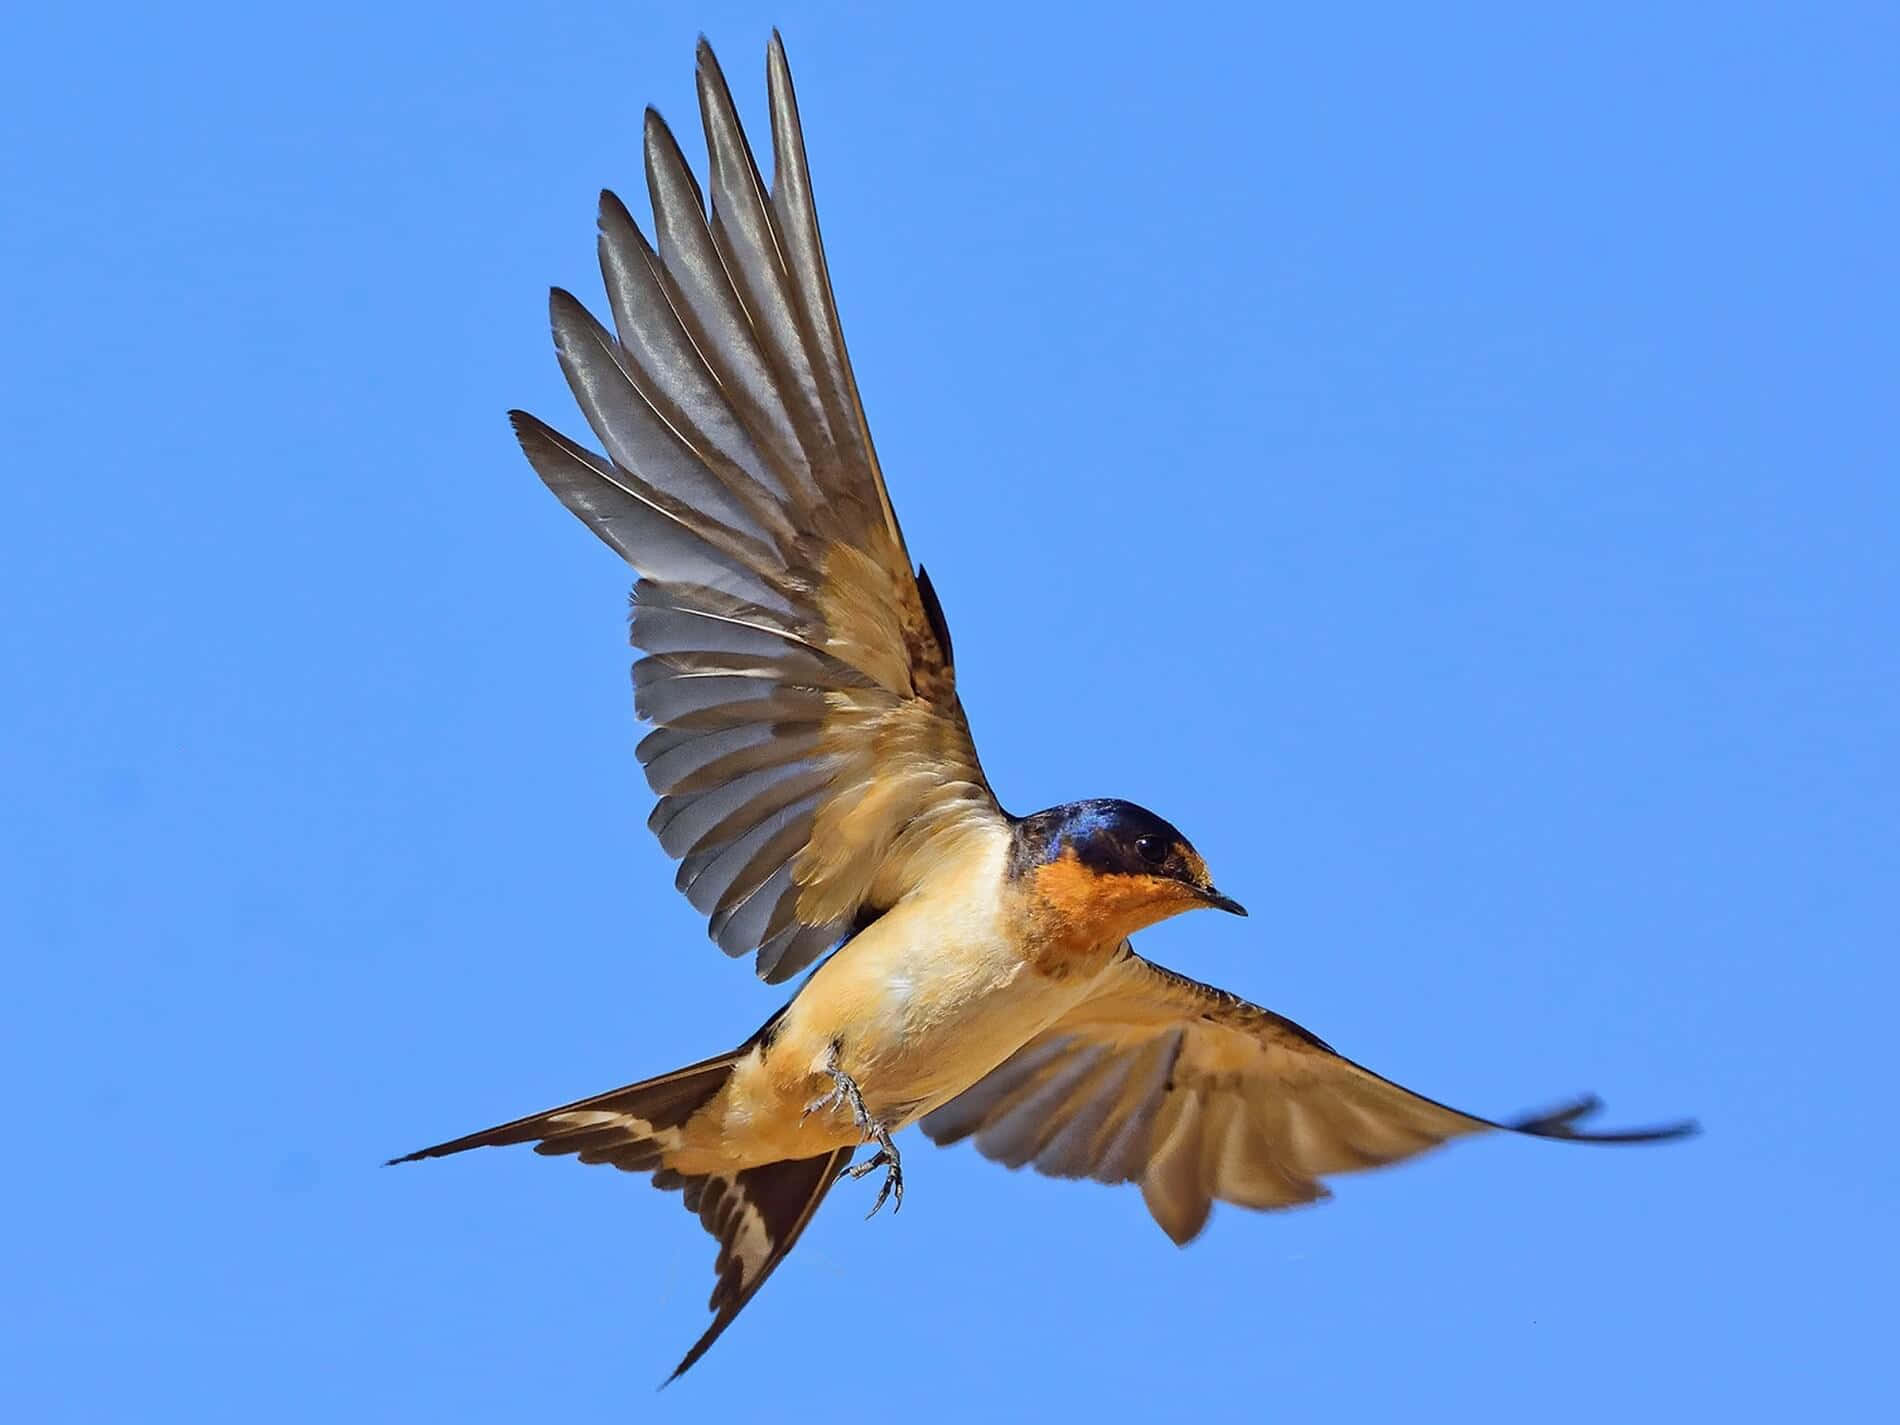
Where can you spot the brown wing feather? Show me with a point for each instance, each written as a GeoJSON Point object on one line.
{"type": "Point", "coordinates": [808, 736]}
{"type": "Point", "coordinates": [1202, 1097]}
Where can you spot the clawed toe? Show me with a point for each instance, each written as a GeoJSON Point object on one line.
{"type": "Point", "coordinates": [824, 1102]}
{"type": "Point", "coordinates": [892, 1187]}
{"type": "Point", "coordinates": [845, 1091]}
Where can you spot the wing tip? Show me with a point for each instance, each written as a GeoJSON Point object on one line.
{"type": "Point", "coordinates": [563, 308]}
{"type": "Point", "coordinates": [529, 429]}
{"type": "Point", "coordinates": [612, 207]}
{"type": "Point", "coordinates": [655, 132]}
{"type": "Point", "coordinates": [710, 81]}
{"type": "Point", "coordinates": [1562, 1123]}
{"type": "Point", "coordinates": [778, 69]}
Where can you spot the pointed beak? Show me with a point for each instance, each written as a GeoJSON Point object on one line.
{"type": "Point", "coordinates": [1214, 898]}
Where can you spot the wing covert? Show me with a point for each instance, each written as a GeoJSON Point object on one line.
{"type": "Point", "coordinates": [808, 740]}
{"type": "Point", "coordinates": [1199, 1096]}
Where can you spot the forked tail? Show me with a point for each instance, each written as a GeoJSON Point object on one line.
{"type": "Point", "coordinates": [756, 1214]}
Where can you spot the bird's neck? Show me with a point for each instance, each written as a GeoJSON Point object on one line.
{"type": "Point", "coordinates": [1075, 920]}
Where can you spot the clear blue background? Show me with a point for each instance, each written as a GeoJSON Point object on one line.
{"type": "Point", "coordinates": [1446, 464]}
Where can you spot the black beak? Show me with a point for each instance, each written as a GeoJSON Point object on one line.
{"type": "Point", "coordinates": [1220, 902]}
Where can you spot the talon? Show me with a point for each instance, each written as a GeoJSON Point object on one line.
{"type": "Point", "coordinates": [893, 1185]}
{"type": "Point", "coordinates": [893, 1188]}
{"type": "Point", "coordinates": [824, 1102]}
{"type": "Point", "coordinates": [844, 1090]}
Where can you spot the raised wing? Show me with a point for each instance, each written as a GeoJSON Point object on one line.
{"type": "Point", "coordinates": [808, 740]}
{"type": "Point", "coordinates": [1198, 1095]}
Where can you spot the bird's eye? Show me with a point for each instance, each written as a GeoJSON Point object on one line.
{"type": "Point", "coordinates": [1151, 849]}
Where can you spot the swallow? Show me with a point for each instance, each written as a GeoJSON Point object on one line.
{"type": "Point", "coordinates": [818, 784]}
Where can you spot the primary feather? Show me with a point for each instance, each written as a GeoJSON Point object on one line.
{"type": "Point", "coordinates": [808, 732]}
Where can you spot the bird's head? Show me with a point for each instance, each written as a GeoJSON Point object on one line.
{"type": "Point", "coordinates": [1107, 868]}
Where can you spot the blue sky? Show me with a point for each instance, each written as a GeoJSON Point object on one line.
{"type": "Point", "coordinates": [1446, 466]}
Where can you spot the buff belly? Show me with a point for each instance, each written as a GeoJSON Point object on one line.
{"type": "Point", "coordinates": [915, 1010]}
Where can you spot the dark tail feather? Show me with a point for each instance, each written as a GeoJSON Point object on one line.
{"type": "Point", "coordinates": [629, 1127]}
{"type": "Point", "coordinates": [757, 1215]}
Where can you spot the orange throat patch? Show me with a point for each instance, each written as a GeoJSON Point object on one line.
{"type": "Point", "coordinates": [1078, 914]}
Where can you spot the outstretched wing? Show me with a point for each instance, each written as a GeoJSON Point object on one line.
{"type": "Point", "coordinates": [1198, 1095]}
{"type": "Point", "coordinates": [808, 741]}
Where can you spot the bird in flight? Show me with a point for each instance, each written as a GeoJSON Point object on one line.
{"type": "Point", "coordinates": [818, 784]}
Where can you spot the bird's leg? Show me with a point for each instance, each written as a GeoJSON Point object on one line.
{"type": "Point", "coordinates": [844, 1090]}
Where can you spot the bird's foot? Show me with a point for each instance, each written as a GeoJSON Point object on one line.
{"type": "Point", "coordinates": [844, 1090]}
{"type": "Point", "coordinates": [887, 1158]}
